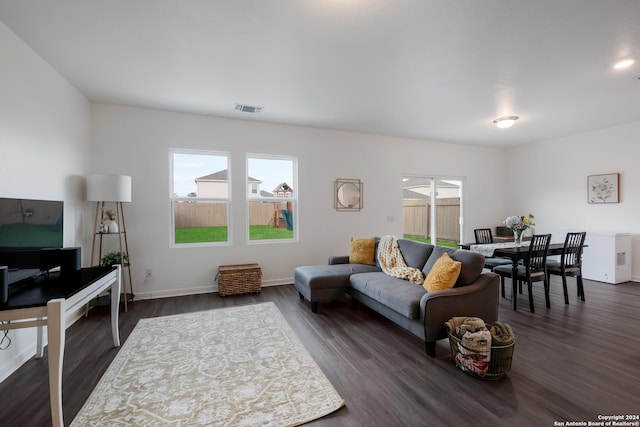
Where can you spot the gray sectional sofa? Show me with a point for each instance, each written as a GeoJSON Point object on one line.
{"type": "Point", "coordinates": [423, 313]}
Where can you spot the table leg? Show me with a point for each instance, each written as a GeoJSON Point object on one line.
{"type": "Point", "coordinates": [115, 307]}
{"type": "Point", "coordinates": [514, 283]}
{"type": "Point", "coordinates": [39, 341]}
{"type": "Point", "coordinates": [56, 336]}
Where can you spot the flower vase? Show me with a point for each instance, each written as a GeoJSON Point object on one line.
{"type": "Point", "coordinates": [113, 227]}
{"type": "Point", "coordinates": [517, 237]}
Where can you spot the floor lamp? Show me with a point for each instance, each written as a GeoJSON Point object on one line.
{"type": "Point", "coordinates": [111, 189]}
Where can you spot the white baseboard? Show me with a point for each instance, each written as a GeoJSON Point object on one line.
{"type": "Point", "coordinates": [174, 293]}
{"type": "Point", "coordinates": [278, 282]}
{"type": "Point", "coordinates": [202, 290]}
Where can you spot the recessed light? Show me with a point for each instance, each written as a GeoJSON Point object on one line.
{"type": "Point", "coordinates": [506, 121]}
{"type": "Point", "coordinates": [624, 63]}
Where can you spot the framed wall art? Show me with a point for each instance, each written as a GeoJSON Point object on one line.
{"type": "Point", "coordinates": [603, 188]}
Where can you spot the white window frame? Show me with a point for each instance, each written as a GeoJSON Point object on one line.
{"type": "Point", "coordinates": [293, 198]}
{"type": "Point", "coordinates": [173, 198]}
{"type": "Point", "coordinates": [433, 195]}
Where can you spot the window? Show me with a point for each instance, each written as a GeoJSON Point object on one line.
{"type": "Point", "coordinates": [432, 209]}
{"type": "Point", "coordinates": [272, 207]}
{"type": "Point", "coordinates": [200, 197]}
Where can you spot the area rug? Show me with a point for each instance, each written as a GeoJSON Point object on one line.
{"type": "Point", "coordinates": [237, 366]}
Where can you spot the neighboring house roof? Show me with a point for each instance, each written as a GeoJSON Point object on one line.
{"type": "Point", "coordinates": [222, 175]}
{"type": "Point", "coordinates": [408, 194]}
{"type": "Point", "coordinates": [265, 194]}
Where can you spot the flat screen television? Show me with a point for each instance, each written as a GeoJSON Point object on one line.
{"type": "Point", "coordinates": [26, 227]}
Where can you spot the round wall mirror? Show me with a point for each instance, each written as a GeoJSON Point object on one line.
{"type": "Point", "coordinates": [348, 195]}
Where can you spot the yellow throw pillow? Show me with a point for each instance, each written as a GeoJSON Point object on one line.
{"type": "Point", "coordinates": [363, 251]}
{"type": "Point", "coordinates": [443, 274]}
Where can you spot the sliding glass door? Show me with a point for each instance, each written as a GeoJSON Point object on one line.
{"type": "Point", "coordinates": [432, 209]}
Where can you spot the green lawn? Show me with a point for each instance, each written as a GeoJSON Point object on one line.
{"type": "Point", "coordinates": [201, 234]}
{"type": "Point", "coordinates": [220, 234]}
{"type": "Point", "coordinates": [260, 232]}
{"type": "Point", "coordinates": [266, 232]}
{"type": "Point", "coordinates": [439, 242]}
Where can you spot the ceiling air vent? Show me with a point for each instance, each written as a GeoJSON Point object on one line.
{"type": "Point", "coordinates": [248, 108]}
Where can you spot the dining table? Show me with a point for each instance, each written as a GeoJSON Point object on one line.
{"type": "Point", "coordinates": [514, 253]}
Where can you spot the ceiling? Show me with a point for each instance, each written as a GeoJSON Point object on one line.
{"type": "Point", "coordinates": [428, 69]}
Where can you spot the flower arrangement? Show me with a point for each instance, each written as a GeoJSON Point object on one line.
{"type": "Point", "coordinates": [519, 223]}
{"type": "Point", "coordinates": [109, 214]}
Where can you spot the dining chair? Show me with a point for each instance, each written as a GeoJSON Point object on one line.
{"type": "Point", "coordinates": [483, 237]}
{"type": "Point", "coordinates": [570, 263]}
{"type": "Point", "coordinates": [534, 268]}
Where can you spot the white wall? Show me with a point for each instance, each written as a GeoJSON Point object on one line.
{"type": "Point", "coordinates": [46, 126]}
{"type": "Point", "coordinates": [44, 146]}
{"type": "Point", "coordinates": [136, 142]}
{"type": "Point", "coordinates": [549, 179]}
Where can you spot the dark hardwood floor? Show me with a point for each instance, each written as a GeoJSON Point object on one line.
{"type": "Point", "coordinates": [571, 362]}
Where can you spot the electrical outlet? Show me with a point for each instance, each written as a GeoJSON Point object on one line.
{"type": "Point", "coordinates": [147, 273]}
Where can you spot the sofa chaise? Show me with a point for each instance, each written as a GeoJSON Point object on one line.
{"type": "Point", "coordinates": [421, 312]}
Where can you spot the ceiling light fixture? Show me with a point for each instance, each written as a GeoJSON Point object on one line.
{"type": "Point", "coordinates": [506, 121]}
{"type": "Point", "coordinates": [624, 63]}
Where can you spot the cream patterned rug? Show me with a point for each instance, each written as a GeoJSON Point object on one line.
{"type": "Point", "coordinates": [237, 366]}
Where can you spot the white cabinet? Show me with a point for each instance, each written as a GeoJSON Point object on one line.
{"type": "Point", "coordinates": [607, 257]}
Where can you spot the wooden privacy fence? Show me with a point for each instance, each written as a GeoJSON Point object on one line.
{"type": "Point", "coordinates": [210, 214]}
{"type": "Point", "coordinates": [416, 218]}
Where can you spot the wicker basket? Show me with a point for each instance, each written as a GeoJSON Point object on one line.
{"type": "Point", "coordinates": [471, 360]}
{"type": "Point", "coordinates": [239, 279]}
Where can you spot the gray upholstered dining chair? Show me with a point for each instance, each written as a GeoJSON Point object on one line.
{"type": "Point", "coordinates": [484, 236]}
{"type": "Point", "coordinates": [534, 268]}
{"type": "Point", "coordinates": [570, 263]}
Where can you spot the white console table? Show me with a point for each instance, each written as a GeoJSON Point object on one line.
{"type": "Point", "coordinates": [47, 302]}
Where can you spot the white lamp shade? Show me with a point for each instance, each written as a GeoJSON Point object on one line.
{"type": "Point", "coordinates": [109, 188]}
